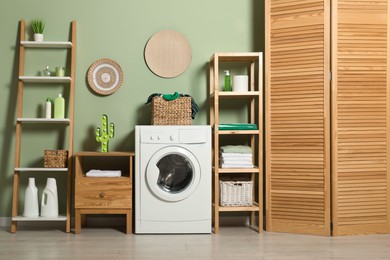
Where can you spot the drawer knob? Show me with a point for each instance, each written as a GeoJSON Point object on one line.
{"type": "Point", "coordinates": [102, 194]}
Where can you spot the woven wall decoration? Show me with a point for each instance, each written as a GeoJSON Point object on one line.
{"type": "Point", "coordinates": [105, 76]}
{"type": "Point", "coordinates": [168, 54]}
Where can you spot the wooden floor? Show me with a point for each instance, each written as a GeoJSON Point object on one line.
{"type": "Point", "coordinates": [232, 243]}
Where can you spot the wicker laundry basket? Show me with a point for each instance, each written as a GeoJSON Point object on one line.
{"type": "Point", "coordinates": [175, 112]}
{"type": "Point", "coordinates": [56, 158]}
{"type": "Point", "coordinates": [235, 193]}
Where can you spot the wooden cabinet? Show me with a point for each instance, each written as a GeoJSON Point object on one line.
{"type": "Point", "coordinates": [103, 195]}
{"type": "Point", "coordinates": [251, 102]}
{"type": "Point", "coordinates": [327, 119]}
{"type": "Point", "coordinates": [42, 124]}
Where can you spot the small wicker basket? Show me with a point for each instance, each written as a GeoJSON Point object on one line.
{"type": "Point", "coordinates": [235, 193]}
{"type": "Point", "coordinates": [56, 158]}
{"type": "Point", "coordinates": [175, 112]}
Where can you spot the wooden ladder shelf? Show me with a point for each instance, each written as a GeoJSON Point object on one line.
{"type": "Point", "coordinates": [42, 122]}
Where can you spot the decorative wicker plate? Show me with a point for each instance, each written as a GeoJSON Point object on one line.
{"type": "Point", "coordinates": [105, 76]}
{"type": "Point", "coordinates": [168, 54]}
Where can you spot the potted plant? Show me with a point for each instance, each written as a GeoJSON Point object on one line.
{"type": "Point", "coordinates": [38, 26]}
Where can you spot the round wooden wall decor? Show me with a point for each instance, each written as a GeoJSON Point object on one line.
{"type": "Point", "coordinates": [168, 54]}
{"type": "Point", "coordinates": [105, 76]}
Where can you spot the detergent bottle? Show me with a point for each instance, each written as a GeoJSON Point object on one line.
{"type": "Point", "coordinates": [59, 107]}
{"type": "Point", "coordinates": [31, 200]}
{"type": "Point", "coordinates": [49, 203]}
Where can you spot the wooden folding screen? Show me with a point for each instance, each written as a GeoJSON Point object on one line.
{"type": "Point", "coordinates": [301, 178]}
{"type": "Point", "coordinates": [297, 123]}
{"type": "Point", "coordinates": [360, 117]}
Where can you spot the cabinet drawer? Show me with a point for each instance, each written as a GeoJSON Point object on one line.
{"type": "Point", "coordinates": [103, 193]}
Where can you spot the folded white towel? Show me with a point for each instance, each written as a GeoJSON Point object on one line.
{"type": "Point", "coordinates": [236, 162]}
{"type": "Point", "coordinates": [102, 173]}
{"type": "Point", "coordinates": [232, 159]}
{"type": "Point", "coordinates": [236, 155]}
{"type": "Point", "coordinates": [224, 165]}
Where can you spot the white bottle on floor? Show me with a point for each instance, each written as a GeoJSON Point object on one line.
{"type": "Point", "coordinates": [31, 205]}
{"type": "Point", "coordinates": [49, 203]}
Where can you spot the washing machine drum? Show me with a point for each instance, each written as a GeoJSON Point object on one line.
{"type": "Point", "coordinates": [173, 174]}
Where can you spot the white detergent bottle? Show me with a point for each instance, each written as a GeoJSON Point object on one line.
{"type": "Point", "coordinates": [31, 200]}
{"type": "Point", "coordinates": [49, 203]}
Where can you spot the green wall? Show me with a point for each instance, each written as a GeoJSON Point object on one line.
{"type": "Point", "coordinates": [118, 30]}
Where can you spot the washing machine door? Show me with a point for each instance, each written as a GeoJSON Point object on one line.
{"type": "Point", "coordinates": [173, 173]}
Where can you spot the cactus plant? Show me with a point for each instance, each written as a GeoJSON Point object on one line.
{"type": "Point", "coordinates": [104, 134]}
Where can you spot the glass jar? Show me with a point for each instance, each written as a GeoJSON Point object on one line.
{"type": "Point", "coordinates": [46, 72]}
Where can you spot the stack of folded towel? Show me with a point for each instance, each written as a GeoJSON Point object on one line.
{"type": "Point", "coordinates": [235, 156]}
{"type": "Point", "coordinates": [101, 173]}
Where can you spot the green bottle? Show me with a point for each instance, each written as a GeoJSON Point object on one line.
{"type": "Point", "coordinates": [59, 107]}
{"type": "Point", "coordinates": [228, 85]}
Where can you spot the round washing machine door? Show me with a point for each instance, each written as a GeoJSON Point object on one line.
{"type": "Point", "coordinates": [173, 173]}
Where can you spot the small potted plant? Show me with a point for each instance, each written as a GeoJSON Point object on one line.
{"type": "Point", "coordinates": [38, 26]}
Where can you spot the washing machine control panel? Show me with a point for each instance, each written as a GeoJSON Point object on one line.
{"type": "Point", "coordinates": [162, 137]}
{"type": "Point", "coordinates": [175, 135]}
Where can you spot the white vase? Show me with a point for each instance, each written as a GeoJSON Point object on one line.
{"type": "Point", "coordinates": [31, 200]}
{"type": "Point", "coordinates": [49, 203]}
{"type": "Point", "coordinates": [38, 37]}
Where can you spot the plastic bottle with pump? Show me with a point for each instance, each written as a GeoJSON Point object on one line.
{"type": "Point", "coordinates": [59, 107]}
{"type": "Point", "coordinates": [228, 85]}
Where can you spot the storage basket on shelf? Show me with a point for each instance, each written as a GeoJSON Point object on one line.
{"type": "Point", "coordinates": [174, 112]}
{"type": "Point", "coordinates": [56, 158]}
{"type": "Point", "coordinates": [235, 193]}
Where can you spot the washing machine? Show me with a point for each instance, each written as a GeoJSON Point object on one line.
{"type": "Point", "coordinates": [172, 179]}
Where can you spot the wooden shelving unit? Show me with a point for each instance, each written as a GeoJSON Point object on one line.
{"type": "Point", "coordinates": [43, 122]}
{"type": "Point", "coordinates": [253, 97]}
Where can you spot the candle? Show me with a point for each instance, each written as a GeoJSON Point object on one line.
{"type": "Point", "coordinates": [60, 71]}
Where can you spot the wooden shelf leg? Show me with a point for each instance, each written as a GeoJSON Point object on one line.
{"type": "Point", "coordinates": [13, 227]}
{"type": "Point", "coordinates": [129, 222]}
{"type": "Point", "coordinates": [216, 221]}
{"type": "Point", "coordinates": [252, 218]}
{"type": "Point", "coordinates": [77, 226]}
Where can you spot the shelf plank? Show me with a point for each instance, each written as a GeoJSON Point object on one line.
{"type": "Point", "coordinates": [49, 44]}
{"type": "Point", "coordinates": [236, 94]}
{"type": "Point", "coordinates": [22, 218]}
{"type": "Point", "coordinates": [238, 209]}
{"type": "Point", "coordinates": [236, 56]}
{"type": "Point", "coordinates": [41, 79]}
{"type": "Point", "coordinates": [35, 169]}
{"type": "Point", "coordinates": [238, 170]}
{"type": "Point", "coordinates": [238, 132]}
{"type": "Point", "coordinates": [44, 120]}
{"type": "Point", "coordinates": [94, 153]}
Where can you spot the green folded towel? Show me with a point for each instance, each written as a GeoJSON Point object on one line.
{"type": "Point", "coordinates": [239, 126]}
{"type": "Point", "coordinates": [236, 149]}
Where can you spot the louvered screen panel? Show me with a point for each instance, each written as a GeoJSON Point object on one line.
{"type": "Point", "coordinates": [297, 100]}
{"type": "Point", "coordinates": [360, 117]}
